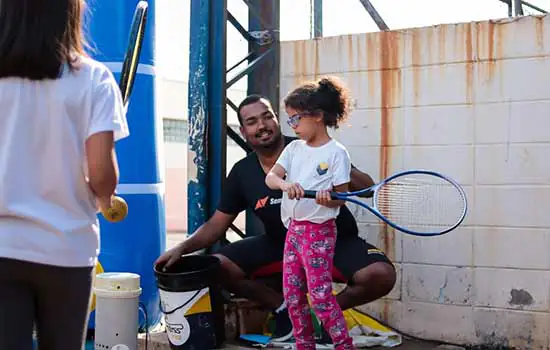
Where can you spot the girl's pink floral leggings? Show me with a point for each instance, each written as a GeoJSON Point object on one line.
{"type": "Point", "coordinates": [307, 266]}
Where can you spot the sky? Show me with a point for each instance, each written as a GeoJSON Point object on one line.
{"type": "Point", "coordinates": [340, 17]}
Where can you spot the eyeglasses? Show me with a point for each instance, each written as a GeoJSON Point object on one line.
{"type": "Point", "coordinates": [294, 120]}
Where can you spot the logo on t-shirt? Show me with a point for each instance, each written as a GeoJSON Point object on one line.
{"type": "Point", "coordinates": [263, 202]}
{"type": "Point", "coordinates": [322, 168]}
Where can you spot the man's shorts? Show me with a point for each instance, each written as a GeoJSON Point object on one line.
{"type": "Point", "coordinates": [260, 256]}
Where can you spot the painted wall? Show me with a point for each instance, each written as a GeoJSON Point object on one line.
{"type": "Point", "coordinates": [471, 100]}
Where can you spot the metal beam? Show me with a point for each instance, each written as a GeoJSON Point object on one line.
{"type": "Point", "coordinates": [318, 18]}
{"type": "Point", "coordinates": [233, 135]}
{"type": "Point", "coordinates": [250, 68]}
{"type": "Point", "coordinates": [217, 124]}
{"type": "Point", "coordinates": [518, 8]}
{"type": "Point", "coordinates": [263, 18]}
{"type": "Point", "coordinates": [536, 8]}
{"type": "Point", "coordinates": [238, 26]}
{"type": "Point", "coordinates": [374, 15]}
{"type": "Point", "coordinates": [199, 69]}
{"type": "Point", "coordinates": [525, 3]}
{"type": "Point", "coordinates": [207, 109]}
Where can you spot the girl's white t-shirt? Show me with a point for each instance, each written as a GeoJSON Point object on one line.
{"type": "Point", "coordinates": [47, 210]}
{"type": "Point", "coordinates": [314, 168]}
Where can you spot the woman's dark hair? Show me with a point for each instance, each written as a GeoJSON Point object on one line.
{"type": "Point", "coordinates": [37, 37]}
{"type": "Point", "coordinates": [328, 96]}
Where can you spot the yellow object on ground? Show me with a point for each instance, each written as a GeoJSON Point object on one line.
{"type": "Point", "coordinates": [365, 331]}
{"type": "Point", "coordinates": [98, 270]}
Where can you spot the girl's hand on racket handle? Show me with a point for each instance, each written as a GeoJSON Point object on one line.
{"type": "Point", "coordinates": [294, 190]}
{"type": "Point", "coordinates": [323, 198]}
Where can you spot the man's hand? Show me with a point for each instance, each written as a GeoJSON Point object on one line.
{"type": "Point", "coordinates": [209, 233]}
{"type": "Point", "coordinates": [294, 190]}
{"type": "Point", "coordinates": [171, 256]}
{"type": "Point", "coordinates": [360, 181]}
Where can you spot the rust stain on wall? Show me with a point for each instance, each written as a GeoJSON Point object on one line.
{"type": "Point", "coordinates": [371, 63]}
{"type": "Point", "coordinates": [468, 47]}
{"type": "Point", "coordinates": [350, 53]}
{"type": "Point", "coordinates": [316, 63]}
{"type": "Point", "coordinates": [390, 91]}
{"type": "Point", "coordinates": [300, 60]}
{"type": "Point", "coordinates": [416, 44]}
{"type": "Point", "coordinates": [441, 42]}
{"type": "Point", "coordinates": [429, 43]}
{"type": "Point", "coordinates": [539, 29]}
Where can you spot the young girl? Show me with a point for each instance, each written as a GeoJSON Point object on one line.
{"type": "Point", "coordinates": [313, 162]}
{"type": "Point", "coordinates": [60, 115]}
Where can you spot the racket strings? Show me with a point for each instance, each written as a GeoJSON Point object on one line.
{"type": "Point", "coordinates": [420, 202]}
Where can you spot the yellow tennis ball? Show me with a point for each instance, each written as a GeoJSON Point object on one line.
{"type": "Point", "coordinates": [118, 210]}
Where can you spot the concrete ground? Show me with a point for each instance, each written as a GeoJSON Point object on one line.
{"type": "Point", "coordinates": [174, 238]}
{"type": "Point", "coordinates": [159, 341]}
{"type": "Point", "coordinates": [407, 345]}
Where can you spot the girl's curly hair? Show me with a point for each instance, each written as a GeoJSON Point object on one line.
{"type": "Point", "coordinates": [328, 96]}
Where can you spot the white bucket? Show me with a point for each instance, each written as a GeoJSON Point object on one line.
{"type": "Point", "coordinates": [117, 310]}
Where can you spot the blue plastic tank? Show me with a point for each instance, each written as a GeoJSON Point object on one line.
{"type": "Point", "coordinates": [133, 244]}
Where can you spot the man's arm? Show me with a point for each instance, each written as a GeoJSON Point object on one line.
{"type": "Point", "coordinates": [208, 233]}
{"type": "Point", "coordinates": [360, 181]}
{"type": "Point", "coordinates": [231, 204]}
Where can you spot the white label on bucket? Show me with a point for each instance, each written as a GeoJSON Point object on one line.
{"type": "Point", "coordinates": [120, 347]}
{"type": "Point", "coordinates": [177, 327]}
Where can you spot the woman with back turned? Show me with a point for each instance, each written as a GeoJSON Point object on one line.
{"type": "Point", "coordinates": [60, 114]}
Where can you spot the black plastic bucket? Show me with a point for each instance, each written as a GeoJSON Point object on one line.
{"type": "Point", "coordinates": [191, 300]}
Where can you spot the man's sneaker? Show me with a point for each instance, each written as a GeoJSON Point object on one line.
{"type": "Point", "coordinates": [283, 327]}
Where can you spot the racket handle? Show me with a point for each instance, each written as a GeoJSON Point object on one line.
{"type": "Point", "coordinates": [313, 194]}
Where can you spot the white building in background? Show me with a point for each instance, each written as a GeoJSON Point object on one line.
{"type": "Point", "coordinates": [172, 62]}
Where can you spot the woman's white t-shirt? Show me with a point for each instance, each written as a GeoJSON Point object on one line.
{"type": "Point", "coordinates": [47, 210]}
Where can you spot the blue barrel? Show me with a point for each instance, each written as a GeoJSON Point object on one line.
{"type": "Point", "coordinates": [133, 244]}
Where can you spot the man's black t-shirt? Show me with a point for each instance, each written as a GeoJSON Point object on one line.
{"type": "Point", "coordinates": [245, 188]}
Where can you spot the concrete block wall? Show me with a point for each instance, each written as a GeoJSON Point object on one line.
{"type": "Point", "coordinates": [471, 100]}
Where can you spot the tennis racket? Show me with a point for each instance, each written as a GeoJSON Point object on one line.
{"type": "Point", "coordinates": [417, 202]}
{"type": "Point", "coordinates": [131, 59]}
{"type": "Point", "coordinates": [119, 209]}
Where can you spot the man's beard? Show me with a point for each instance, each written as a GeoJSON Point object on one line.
{"type": "Point", "coordinates": [271, 145]}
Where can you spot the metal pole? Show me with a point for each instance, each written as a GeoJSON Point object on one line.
{"type": "Point", "coordinates": [264, 80]}
{"type": "Point", "coordinates": [217, 124]}
{"type": "Point", "coordinates": [318, 18]}
{"type": "Point", "coordinates": [199, 68]}
{"type": "Point", "coordinates": [518, 8]}
{"type": "Point", "coordinates": [374, 15]}
{"type": "Point", "coordinates": [533, 7]}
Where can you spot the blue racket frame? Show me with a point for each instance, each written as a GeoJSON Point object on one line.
{"type": "Point", "coordinates": [374, 188]}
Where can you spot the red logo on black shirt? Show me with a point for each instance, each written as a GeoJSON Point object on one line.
{"type": "Point", "coordinates": [261, 203]}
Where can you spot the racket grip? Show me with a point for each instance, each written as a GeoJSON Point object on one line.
{"type": "Point", "coordinates": [313, 194]}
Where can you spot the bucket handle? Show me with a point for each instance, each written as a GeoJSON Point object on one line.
{"type": "Point", "coordinates": [179, 307]}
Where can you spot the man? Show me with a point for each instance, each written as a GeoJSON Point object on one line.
{"type": "Point", "coordinates": [367, 271]}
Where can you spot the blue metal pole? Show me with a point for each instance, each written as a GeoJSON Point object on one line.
{"type": "Point", "coordinates": [217, 126]}
{"type": "Point", "coordinates": [134, 244]}
{"type": "Point", "coordinates": [197, 169]}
